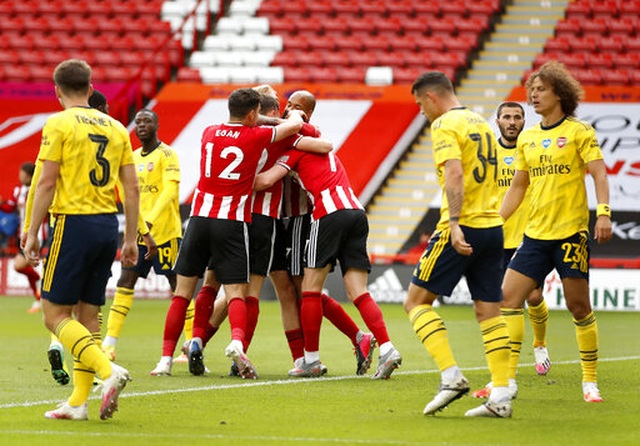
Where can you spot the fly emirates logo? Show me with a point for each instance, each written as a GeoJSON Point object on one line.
{"type": "Point", "coordinates": [546, 166]}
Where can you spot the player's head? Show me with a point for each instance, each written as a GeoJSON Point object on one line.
{"type": "Point", "coordinates": [72, 78]}
{"type": "Point", "coordinates": [26, 173]}
{"type": "Point", "coordinates": [301, 100]}
{"type": "Point", "coordinates": [147, 124]}
{"type": "Point", "coordinates": [98, 101]}
{"type": "Point", "coordinates": [553, 85]}
{"type": "Point", "coordinates": [510, 121]}
{"type": "Point", "coordinates": [244, 105]}
{"type": "Point", "coordinates": [267, 90]}
{"type": "Point", "coordinates": [269, 105]}
{"type": "Point", "coordinates": [427, 91]}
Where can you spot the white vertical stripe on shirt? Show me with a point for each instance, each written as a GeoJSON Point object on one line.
{"type": "Point", "coordinates": [207, 204]}
{"type": "Point", "coordinates": [225, 206]}
{"type": "Point", "coordinates": [343, 197]}
{"type": "Point", "coordinates": [327, 201]}
{"type": "Point", "coordinates": [241, 207]}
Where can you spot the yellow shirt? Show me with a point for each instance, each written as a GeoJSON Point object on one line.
{"type": "Point", "coordinates": [90, 147]}
{"type": "Point", "coordinates": [158, 173]}
{"type": "Point", "coordinates": [514, 227]}
{"type": "Point", "coordinates": [465, 135]}
{"type": "Point", "coordinates": [556, 159]}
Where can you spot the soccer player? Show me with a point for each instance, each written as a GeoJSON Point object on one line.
{"type": "Point", "coordinates": [98, 101]}
{"type": "Point", "coordinates": [551, 164]}
{"type": "Point", "coordinates": [83, 152]}
{"type": "Point", "coordinates": [158, 170]}
{"type": "Point", "coordinates": [18, 201]}
{"type": "Point", "coordinates": [338, 233]}
{"type": "Point", "coordinates": [510, 122]}
{"type": "Point", "coordinates": [468, 241]}
{"type": "Point", "coordinates": [217, 235]}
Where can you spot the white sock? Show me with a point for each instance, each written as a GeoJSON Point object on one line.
{"type": "Point", "coordinates": [311, 357]}
{"type": "Point", "coordinates": [451, 374]}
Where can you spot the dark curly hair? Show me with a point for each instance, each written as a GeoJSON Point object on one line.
{"type": "Point", "coordinates": [556, 75]}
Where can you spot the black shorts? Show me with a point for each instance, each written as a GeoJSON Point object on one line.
{"type": "Point", "coordinates": [162, 263]}
{"type": "Point", "coordinates": [440, 268]}
{"type": "Point", "coordinates": [341, 236]}
{"type": "Point", "coordinates": [78, 264]}
{"type": "Point", "coordinates": [537, 258]}
{"type": "Point", "coordinates": [223, 245]}
{"type": "Point", "coordinates": [262, 233]}
{"type": "Point", "coordinates": [280, 262]}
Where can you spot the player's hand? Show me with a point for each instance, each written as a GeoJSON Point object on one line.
{"type": "Point", "coordinates": [129, 254]}
{"type": "Point", "coordinates": [458, 241]}
{"type": "Point", "coordinates": [602, 230]}
{"type": "Point", "coordinates": [300, 113]}
{"type": "Point", "coordinates": [152, 248]}
{"type": "Point", "coordinates": [31, 249]}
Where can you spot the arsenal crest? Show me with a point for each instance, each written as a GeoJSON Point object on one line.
{"type": "Point", "coordinates": [561, 141]}
{"type": "Point", "coordinates": [150, 167]}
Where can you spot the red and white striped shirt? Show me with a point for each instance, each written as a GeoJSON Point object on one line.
{"type": "Point", "coordinates": [295, 200]}
{"type": "Point", "coordinates": [324, 177]}
{"type": "Point", "coordinates": [231, 155]}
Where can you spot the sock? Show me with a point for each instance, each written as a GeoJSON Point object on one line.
{"type": "Point", "coordinates": [337, 315]}
{"type": "Point", "coordinates": [55, 342]}
{"type": "Point", "coordinates": [497, 350]}
{"type": "Point", "coordinates": [33, 277]}
{"type": "Point", "coordinates": [189, 320]}
{"type": "Point", "coordinates": [311, 320]}
{"type": "Point", "coordinates": [514, 318]}
{"type": "Point", "coordinates": [237, 319]}
{"type": "Point", "coordinates": [587, 336]}
{"type": "Point", "coordinates": [433, 334]}
{"type": "Point", "coordinates": [372, 317]}
{"type": "Point", "coordinates": [295, 339]}
{"type": "Point", "coordinates": [173, 324]}
{"type": "Point", "coordinates": [538, 317]}
{"type": "Point", "coordinates": [203, 311]}
{"type": "Point", "coordinates": [253, 310]}
{"type": "Point", "coordinates": [122, 302]}
{"type": "Point", "coordinates": [76, 338]}
{"type": "Point", "coordinates": [208, 334]}
{"type": "Point", "coordinates": [82, 383]}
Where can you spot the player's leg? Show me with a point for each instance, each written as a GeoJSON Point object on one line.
{"type": "Point", "coordinates": [120, 307]}
{"type": "Point", "coordinates": [538, 318]}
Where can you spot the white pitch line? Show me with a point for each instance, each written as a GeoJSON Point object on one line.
{"type": "Point", "coordinates": [281, 382]}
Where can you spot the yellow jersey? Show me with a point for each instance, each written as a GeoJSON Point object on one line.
{"type": "Point", "coordinates": [514, 226]}
{"type": "Point", "coordinates": [556, 158]}
{"type": "Point", "coordinates": [90, 147]}
{"type": "Point", "coordinates": [465, 135]}
{"type": "Point", "coordinates": [158, 173]}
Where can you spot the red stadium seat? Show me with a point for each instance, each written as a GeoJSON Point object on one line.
{"type": "Point", "coordinates": [107, 58]}
{"type": "Point", "coordinates": [370, 9]}
{"type": "Point", "coordinates": [453, 9]}
{"type": "Point", "coordinates": [399, 8]}
{"type": "Point", "coordinates": [558, 44]}
{"type": "Point", "coordinates": [588, 77]}
{"type": "Point", "coordinates": [336, 26]}
{"type": "Point", "coordinates": [405, 43]}
{"type": "Point", "coordinates": [308, 59]}
{"type": "Point", "coordinates": [449, 59]}
{"type": "Point", "coordinates": [324, 43]}
{"type": "Point", "coordinates": [595, 26]}
{"type": "Point", "coordinates": [612, 45]}
{"type": "Point", "coordinates": [40, 73]}
{"type": "Point", "coordinates": [622, 27]}
{"type": "Point", "coordinates": [8, 56]}
{"type": "Point", "coordinates": [486, 9]}
{"type": "Point", "coordinates": [188, 74]}
{"type": "Point", "coordinates": [361, 59]}
{"type": "Point", "coordinates": [309, 26]}
{"type": "Point", "coordinates": [615, 77]}
{"type": "Point", "coordinates": [604, 9]}
{"type": "Point", "coordinates": [587, 44]}
{"type": "Point", "coordinates": [406, 75]}
{"type": "Point", "coordinates": [417, 26]}
{"type": "Point", "coordinates": [629, 8]}
{"type": "Point", "coordinates": [282, 26]}
{"type": "Point", "coordinates": [419, 60]}
{"type": "Point", "coordinates": [296, 43]}
{"type": "Point", "coordinates": [320, 9]}
{"type": "Point", "coordinates": [573, 60]}
{"type": "Point", "coordinates": [632, 44]}
{"type": "Point", "coordinates": [333, 59]}
{"type": "Point", "coordinates": [376, 43]}
{"type": "Point", "coordinates": [629, 61]}
{"type": "Point", "coordinates": [285, 59]}
{"type": "Point", "coordinates": [270, 9]}
{"type": "Point", "coordinates": [459, 44]}
{"type": "Point", "coordinates": [16, 73]}
{"type": "Point", "coordinates": [76, 10]}
{"type": "Point", "coordinates": [432, 43]}
{"type": "Point", "coordinates": [292, 74]}
{"type": "Point", "coordinates": [569, 28]}
{"type": "Point", "coordinates": [473, 25]}
{"type": "Point", "coordinates": [351, 75]}
{"type": "Point", "coordinates": [350, 43]}
{"type": "Point", "coordinates": [445, 26]}
{"type": "Point", "coordinates": [426, 8]}
{"type": "Point", "coordinates": [346, 8]}
{"type": "Point", "coordinates": [578, 10]}
{"type": "Point", "coordinates": [387, 26]}
{"type": "Point", "coordinates": [361, 26]}
{"type": "Point", "coordinates": [324, 74]}
{"type": "Point", "coordinates": [391, 59]}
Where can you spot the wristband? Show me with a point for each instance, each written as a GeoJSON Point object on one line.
{"type": "Point", "coordinates": [456, 219]}
{"type": "Point", "coordinates": [603, 209]}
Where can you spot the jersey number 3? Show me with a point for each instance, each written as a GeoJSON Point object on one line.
{"type": "Point", "coordinates": [100, 179]}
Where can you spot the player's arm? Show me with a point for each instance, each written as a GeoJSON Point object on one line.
{"type": "Point", "coordinates": [454, 190]}
{"type": "Point", "coordinates": [269, 120]}
{"type": "Point", "coordinates": [268, 178]}
{"type": "Point", "coordinates": [129, 180]}
{"type": "Point", "coordinates": [602, 230]}
{"type": "Point", "coordinates": [290, 126]}
{"type": "Point", "coordinates": [45, 189]}
{"type": "Point", "coordinates": [170, 190]}
{"type": "Point", "coordinates": [515, 194]}
{"type": "Point", "coordinates": [314, 145]}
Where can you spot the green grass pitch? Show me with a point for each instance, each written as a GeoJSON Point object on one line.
{"type": "Point", "coordinates": [340, 408]}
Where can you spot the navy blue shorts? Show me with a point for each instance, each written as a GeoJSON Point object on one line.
{"type": "Point", "coordinates": [440, 268]}
{"type": "Point", "coordinates": [162, 263]}
{"type": "Point", "coordinates": [341, 236]}
{"type": "Point", "coordinates": [78, 264]}
{"type": "Point", "coordinates": [537, 258]}
{"type": "Point", "coordinates": [217, 244]}
{"type": "Point", "coordinates": [262, 233]}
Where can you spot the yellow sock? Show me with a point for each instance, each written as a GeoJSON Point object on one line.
{"type": "Point", "coordinates": [587, 336]}
{"type": "Point", "coordinates": [122, 303]}
{"type": "Point", "coordinates": [82, 383]}
{"type": "Point", "coordinates": [76, 338]}
{"type": "Point", "coordinates": [538, 317]}
{"type": "Point", "coordinates": [514, 318]}
{"type": "Point", "coordinates": [497, 350]}
{"type": "Point", "coordinates": [433, 334]}
{"type": "Point", "coordinates": [188, 320]}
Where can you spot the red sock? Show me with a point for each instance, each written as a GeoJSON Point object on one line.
{"type": "Point", "coordinates": [173, 324]}
{"type": "Point", "coordinates": [253, 310]}
{"type": "Point", "coordinates": [237, 318]}
{"type": "Point", "coordinates": [372, 317]}
{"type": "Point", "coordinates": [204, 309]}
{"type": "Point", "coordinates": [311, 319]}
{"type": "Point", "coordinates": [295, 339]}
{"type": "Point", "coordinates": [337, 315]}
{"type": "Point", "coordinates": [33, 277]}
